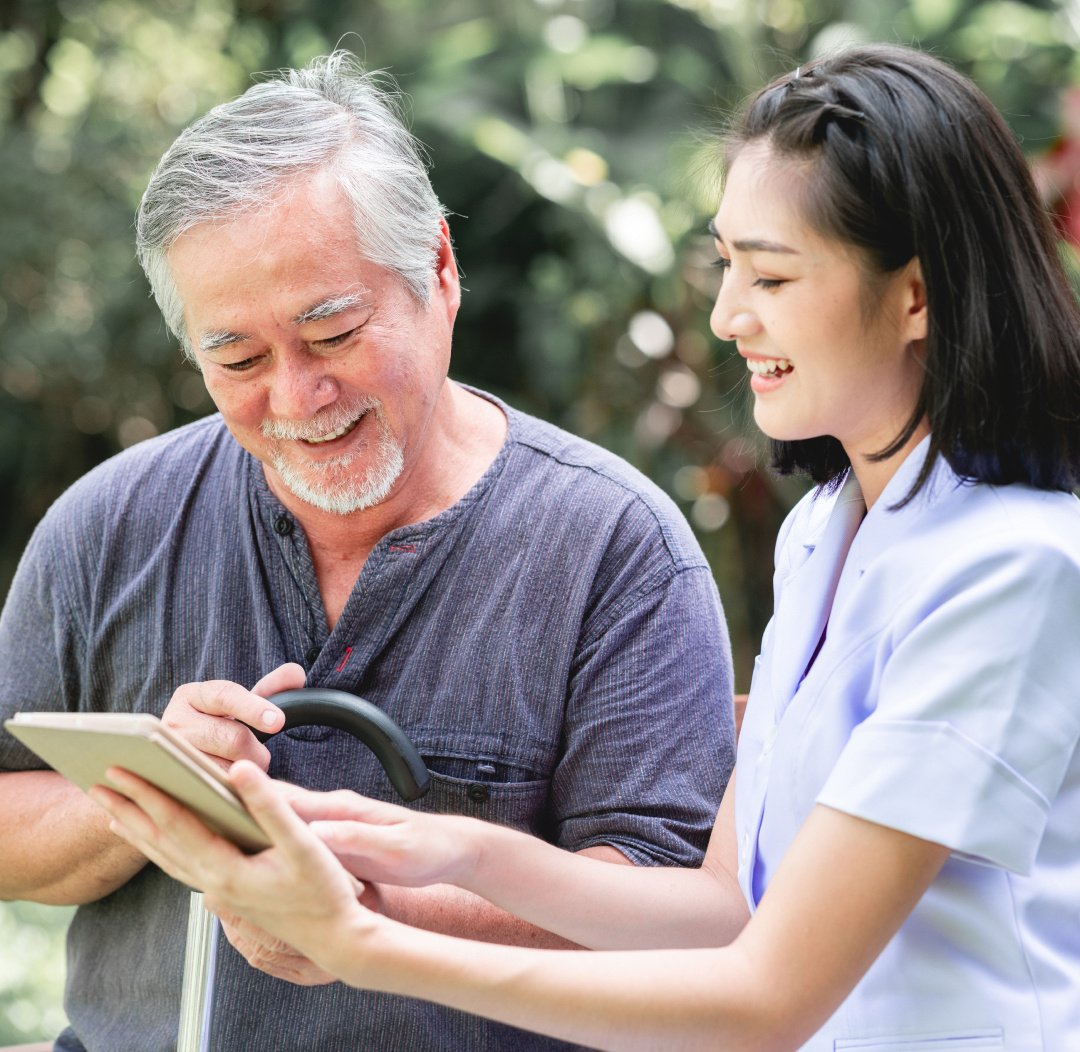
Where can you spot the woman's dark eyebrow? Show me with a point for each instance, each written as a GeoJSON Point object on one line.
{"type": "Point", "coordinates": [754, 244]}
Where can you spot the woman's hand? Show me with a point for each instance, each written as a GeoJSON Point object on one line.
{"type": "Point", "coordinates": [296, 890]}
{"type": "Point", "coordinates": [389, 844]}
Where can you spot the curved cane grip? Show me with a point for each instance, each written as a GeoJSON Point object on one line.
{"type": "Point", "coordinates": [316, 706]}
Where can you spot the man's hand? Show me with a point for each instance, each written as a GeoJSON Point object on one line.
{"type": "Point", "coordinates": [277, 958]}
{"type": "Point", "coordinates": [217, 716]}
{"type": "Point", "coordinates": [269, 954]}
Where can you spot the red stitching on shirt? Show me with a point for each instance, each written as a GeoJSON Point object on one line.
{"type": "Point", "coordinates": [345, 659]}
{"type": "Point", "coordinates": [403, 547]}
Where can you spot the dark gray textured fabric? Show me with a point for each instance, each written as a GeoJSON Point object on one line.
{"type": "Point", "coordinates": [558, 624]}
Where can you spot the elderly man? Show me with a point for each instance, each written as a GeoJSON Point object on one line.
{"type": "Point", "coordinates": [533, 612]}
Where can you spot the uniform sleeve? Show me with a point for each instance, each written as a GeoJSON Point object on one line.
{"type": "Point", "coordinates": [40, 642]}
{"type": "Point", "coordinates": [978, 710]}
{"type": "Point", "coordinates": [649, 734]}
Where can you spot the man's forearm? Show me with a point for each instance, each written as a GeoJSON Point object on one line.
{"type": "Point", "coordinates": [57, 848]}
{"type": "Point", "coordinates": [450, 911]}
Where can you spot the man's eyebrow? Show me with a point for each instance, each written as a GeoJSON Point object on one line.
{"type": "Point", "coordinates": [329, 307]}
{"type": "Point", "coordinates": [755, 244]}
{"type": "Point", "coordinates": [217, 338]}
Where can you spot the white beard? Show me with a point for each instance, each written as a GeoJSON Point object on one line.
{"type": "Point", "coordinates": [333, 485]}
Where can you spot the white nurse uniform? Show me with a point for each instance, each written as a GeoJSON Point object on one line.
{"type": "Point", "coordinates": [944, 702]}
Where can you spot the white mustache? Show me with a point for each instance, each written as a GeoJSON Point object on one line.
{"type": "Point", "coordinates": [308, 430]}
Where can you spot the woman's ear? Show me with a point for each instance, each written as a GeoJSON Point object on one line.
{"type": "Point", "coordinates": [914, 313]}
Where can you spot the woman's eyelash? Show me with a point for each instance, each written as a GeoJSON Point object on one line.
{"type": "Point", "coordinates": [723, 263]}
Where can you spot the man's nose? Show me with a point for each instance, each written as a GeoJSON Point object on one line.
{"type": "Point", "coordinates": [300, 386]}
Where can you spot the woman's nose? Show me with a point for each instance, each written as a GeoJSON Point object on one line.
{"type": "Point", "coordinates": [730, 318]}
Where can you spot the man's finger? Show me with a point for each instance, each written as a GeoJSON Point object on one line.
{"type": "Point", "coordinates": [289, 676]}
{"type": "Point", "coordinates": [222, 697]}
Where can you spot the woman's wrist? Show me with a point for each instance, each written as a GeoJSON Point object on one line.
{"type": "Point", "coordinates": [447, 852]}
{"type": "Point", "coordinates": [487, 858]}
{"type": "Point", "coordinates": [367, 951]}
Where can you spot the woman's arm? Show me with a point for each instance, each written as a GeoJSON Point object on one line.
{"type": "Point", "coordinates": [633, 908]}
{"type": "Point", "coordinates": [842, 891]}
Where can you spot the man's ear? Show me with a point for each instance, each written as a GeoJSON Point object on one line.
{"type": "Point", "coordinates": [447, 281]}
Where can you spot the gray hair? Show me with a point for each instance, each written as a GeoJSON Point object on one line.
{"type": "Point", "coordinates": [331, 115]}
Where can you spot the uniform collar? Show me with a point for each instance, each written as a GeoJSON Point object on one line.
{"type": "Point", "coordinates": [808, 591]}
{"type": "Point", "coordinates": [840, 541]}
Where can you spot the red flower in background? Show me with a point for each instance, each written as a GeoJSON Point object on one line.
{"type": "Point", "coordinates": [1057, 172]}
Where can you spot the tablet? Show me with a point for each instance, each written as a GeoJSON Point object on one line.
{"type": "Point", "coordinates": [82, 746]}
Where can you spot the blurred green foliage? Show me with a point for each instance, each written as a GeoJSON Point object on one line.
{"type": "Point", "coordinates": [31, 971]}
{"type": "Point", "coordinates": [571, 140]}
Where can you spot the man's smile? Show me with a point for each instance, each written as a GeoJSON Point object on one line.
{"type": "Point", "coordinates": [339, 432]}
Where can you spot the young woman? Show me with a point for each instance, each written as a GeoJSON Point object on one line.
{"type": "Point", "coordinates": [896, 863]}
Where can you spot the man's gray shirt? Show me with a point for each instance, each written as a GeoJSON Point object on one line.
{"type": "Point", "coordinates": [553, 643]}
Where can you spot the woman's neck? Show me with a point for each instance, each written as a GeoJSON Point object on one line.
{"type": "Point", "coordinates": [875, 475]}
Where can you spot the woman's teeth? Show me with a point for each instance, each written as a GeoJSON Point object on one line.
{"type": "Point", "coordinates": [768, 366]}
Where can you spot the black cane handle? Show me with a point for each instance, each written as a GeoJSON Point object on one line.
{"type": "Point", "coordinates": [316, 706]}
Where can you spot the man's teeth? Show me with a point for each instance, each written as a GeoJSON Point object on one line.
{"type": "Point", "coordinates": [768, 366]}
{"type": "Point", "coordinates": [343, 430]}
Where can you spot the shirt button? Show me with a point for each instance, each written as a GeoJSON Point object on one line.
{"type": "Point", "coordinates": [312, 655]}
{"type": "Point", "coordinates": [283, 526]}
{"type": "Point", "coordinates": [477, 793]}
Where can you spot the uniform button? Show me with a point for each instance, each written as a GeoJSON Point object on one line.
{"type": "Point", "coordinates": [313, 655]}
{"type": "Point", "coordinates": [477, 793]}
{"type": "Point", "coordinates": [283, 526]}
